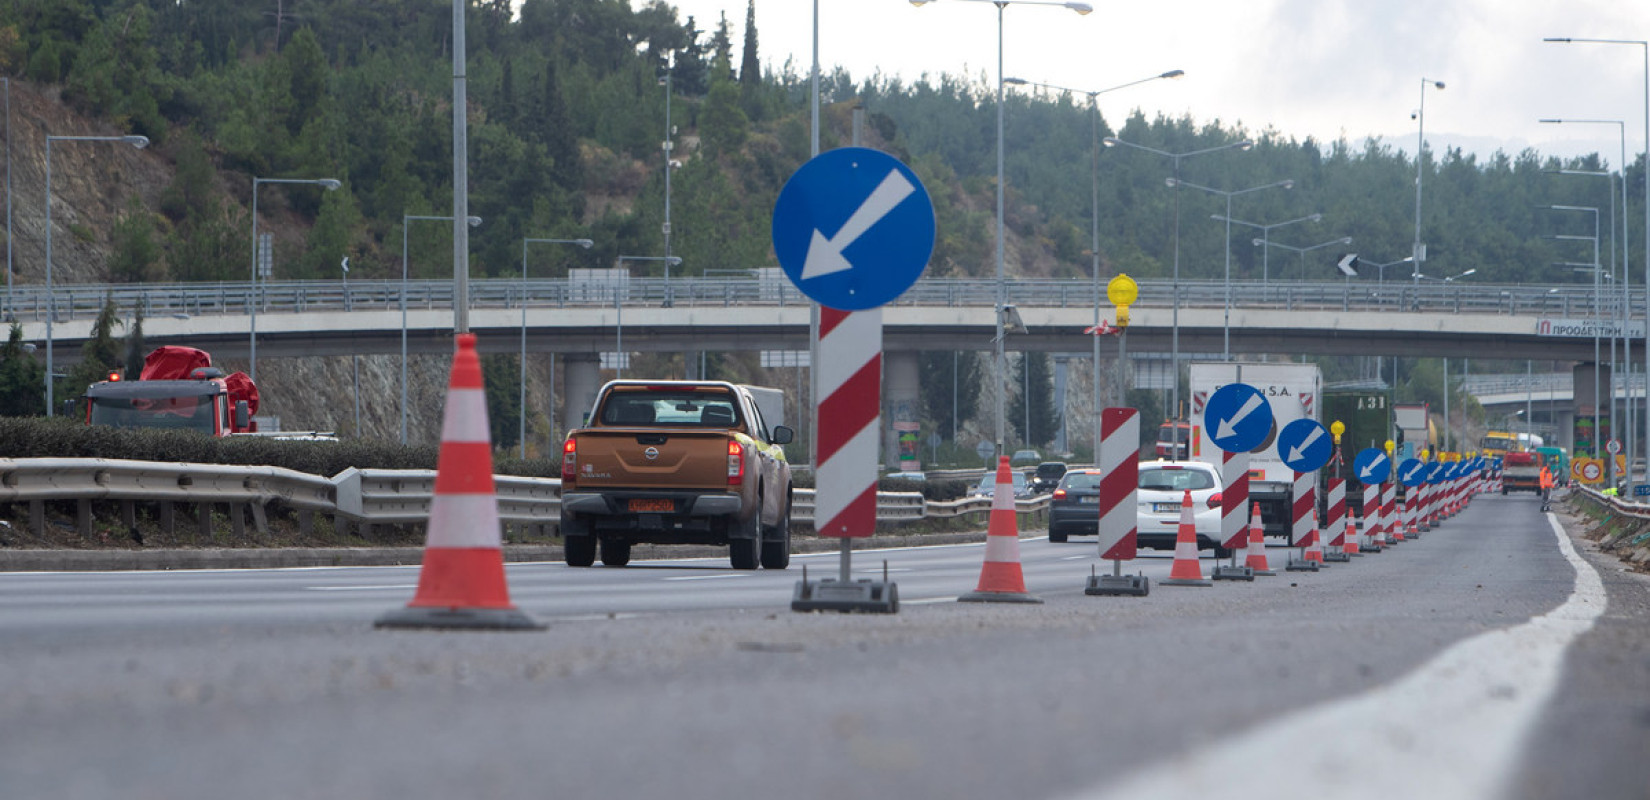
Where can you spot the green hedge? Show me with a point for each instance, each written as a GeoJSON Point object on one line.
{"type": "Point", "coordinates": [61, 437]}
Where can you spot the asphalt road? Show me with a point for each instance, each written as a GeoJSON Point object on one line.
{"type": "Point", "coordinates": [1471, 663]}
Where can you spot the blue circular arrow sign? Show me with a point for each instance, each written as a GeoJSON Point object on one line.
{"type": "Point", "coordinates": [1412, 472]}
{"type": "Point", "coordinates": [1237, 418]}
{"type": "Point", "coordinates": [1435, 473]}
{"type": "Point", "coordinates": [853, 228]}
{"type": "Point", "coordinates": [1372, 465]}
{"type": "Point", "coordinates": [1305, 445]}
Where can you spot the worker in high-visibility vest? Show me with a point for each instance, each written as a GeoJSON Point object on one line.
{"type": "Point", "coordinates": [1546, 488]}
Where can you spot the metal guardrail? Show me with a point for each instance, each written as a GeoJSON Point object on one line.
{"type": "Point", "coordinates": [365, 497]}
{"type": "Point", "coordinates": [1616, 504]}
{"type": "Point", "coordinates": [28, 303]}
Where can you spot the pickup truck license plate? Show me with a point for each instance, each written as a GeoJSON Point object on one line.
{"type": "Point", "coordinates": [1162, 508]}
{"type": "Point", "coordinates": [652, 505]}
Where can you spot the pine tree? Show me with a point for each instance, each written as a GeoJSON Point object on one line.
{"type": "Point", "coordinates": [99, 356]}
{"type": "Point", "coordinates": [136, 257]}
{"type": "Point", "coordinates": [22, 379]}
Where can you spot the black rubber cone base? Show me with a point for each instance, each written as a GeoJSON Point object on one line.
{"type": "Point", "coordinates": [863, 596]}
{"type": "Point", "coordinates": [1133, 585]}
{"type": "Point", "coordinates": [482, 619]}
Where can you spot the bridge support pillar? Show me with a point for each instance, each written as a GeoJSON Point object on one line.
{"type": "Point", "coordinates": [901, 409]}
{"type": "Point", "coordinates": [690, 363]}
{"type": "Point", "coordinates": [582, 375]}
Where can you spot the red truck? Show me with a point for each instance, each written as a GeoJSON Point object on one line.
{"type": "Point", "coordinates": [178, 388]}
{"type": "Point", "coordinates": [676, 462]}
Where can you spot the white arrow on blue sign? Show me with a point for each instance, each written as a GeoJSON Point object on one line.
{"type": "Point", "coordinates": [1412, 472]}
{"type": "Point", "coordinates": [1237, 417]}
{"type": "Point", "coordinates": [1372, 465]}
{"type": "Point", "coordinates": [1435, 473]}
{"type": "Point", "coordinates": [853, 228]}
{"type": "Point", "coordinates": [1305, 445]}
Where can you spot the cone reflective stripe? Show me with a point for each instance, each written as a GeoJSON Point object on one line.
{"type": "Point", "coordinates": [1187, 571]}
{"type": "Point", "coordinates": [1255, 556]}
{"type": "Point", "coordinates": [461, 583]}
{"type": "Point", "coordinates": [1001, 580]}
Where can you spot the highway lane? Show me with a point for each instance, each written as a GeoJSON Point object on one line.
{"type": "Point", "coordinates": [684, 679]}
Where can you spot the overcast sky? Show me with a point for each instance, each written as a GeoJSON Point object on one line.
{"type": "Point", "coordinates": [1319, 68]}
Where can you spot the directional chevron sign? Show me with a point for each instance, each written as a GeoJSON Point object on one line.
{"type": "Point", "coordinates": [1237, 417]}
{"type": "Point", "coordinates": [1372, 466]}
{"type": "Point", "coordinates": [1304, 445]}
{"type": "Point", "coordinates": [1413, 472]}
{"type": "Point", "coordinates": [853, 228]}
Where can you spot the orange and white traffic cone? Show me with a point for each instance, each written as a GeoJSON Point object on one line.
{"type": "Point", "coordinates": [1255, 554]}
{"type": "Point", "coordinates": [1000, 578]}
{"type": "Point", "coordinates": [461, 584]}
{"type": "Point", "coordinates": [1187, 571]}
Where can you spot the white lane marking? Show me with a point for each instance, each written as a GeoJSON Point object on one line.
{"type": "Point", "coordinates": [706, 577]}
{"type": "Point", "coordinates": [395, 586]}
{"type": "Point", "coordinates": [1452, 728]}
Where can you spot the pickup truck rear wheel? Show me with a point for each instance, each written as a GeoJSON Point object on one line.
{"type": "Point", "coordinates": [578, 545]}
{"type": "Point", "coordinates": [614, 553]}
{"type": "Point", "coordinates": [746, 539]}
{"type": "Point", "coordinates": [776, 547]}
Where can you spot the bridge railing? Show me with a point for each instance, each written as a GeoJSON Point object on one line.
{"type": "Point", "coordinates": [29, 303]}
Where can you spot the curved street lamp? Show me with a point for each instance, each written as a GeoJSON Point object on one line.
{"type": "Point", "coordinates": [1302, 251]}
{"type": "Point", "coordinates": [405, 219]}
{"type": "Point", "coordinates": [1420, 117]}
{"type": "Point", "coordinates": [329, 184]}
{"type": "Point", "coordinates": [1266, 236]}
{"type": "Point", "coordinates": [1226, 325]}
{"type": "Point", "coordinates": [1000, 366]}
{"type": "Point", "coordinates": [1094, 218]}
{"type": "Point", "coordinates": [1174, 336]}
{"type": "Point", "coordinates": [521, 398]}
{"type": "Point", "coordinates": [139, 142]}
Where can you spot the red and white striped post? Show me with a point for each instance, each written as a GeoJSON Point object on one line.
{"type": "Point", "coordinates": [1119, 527]}
{"type": "Point", "coordinates": [850, 398]}
{"type": "Point", "coordinates": [849, 374]}
{"type": "Point", "coordinates": [1341, 547]}
{"type": "Point", "coordinates": [1389, 512]}
{"type": "Point", "coordinates": [1372, 537]}
{"type": "Point", "coordinates": [1234, 514]}
{"type": "Point", "coordinates": [1305, 522]}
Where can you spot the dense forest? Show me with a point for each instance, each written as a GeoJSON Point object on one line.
{"type": "Point", "coordinates": [566, 119]}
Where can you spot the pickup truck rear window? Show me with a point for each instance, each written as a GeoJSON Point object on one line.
{"type": "Point", "coordinates": [670, 410]}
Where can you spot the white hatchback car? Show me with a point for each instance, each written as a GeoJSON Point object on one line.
{"type": "Point", "coordinates": [1161, 487]}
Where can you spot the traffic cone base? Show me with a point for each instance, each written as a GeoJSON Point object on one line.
{"type": "Point", "coordinates": [1001, 580]}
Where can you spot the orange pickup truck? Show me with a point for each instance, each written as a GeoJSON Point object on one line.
{"type": "Point", "coordinates": [676, 462]}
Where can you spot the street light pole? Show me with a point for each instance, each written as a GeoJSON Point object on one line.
{"type": "Point", "coordinates": [1266, 235]}
{"type": "Point", "coordinates": [1094, 221]}
{"type": "Point", "coordinates": [1174, 337]}
{"type": "Point", "coordinates": [1420, 150]}
{"type": "Point", "coordinates": [521, 397]}
{"type": "Point", "coordinates": [1000, 367]}
{"type": "Point", "coordinates": [1626, 280]}
{"type": "Point", "coordinates": [1644, 47]}
{"type": "Point", "coordinates": [1597, 319]}
{"type": "Point", "coordinates": [252, 345]}
{"type": "Point", "coordinates": [405, 219]}
{"type": "Point", "coordinates": [139, 142]}
{"type": "Point", "coordinates": [1226, 326]}
{"type": "Point", "coordinates": [1302, 251]}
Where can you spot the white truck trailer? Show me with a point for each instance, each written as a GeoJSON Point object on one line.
{"type": "Point", "coordinates": [1292, 391]}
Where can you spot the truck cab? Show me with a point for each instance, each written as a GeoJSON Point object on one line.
{"type": "Point", "coordinates": [178, 389]}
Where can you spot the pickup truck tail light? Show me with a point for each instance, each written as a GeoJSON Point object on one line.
{"type": "Point", "coordinates": [736, 464]}
{"type": "Point", "coordinates": [569, 460]}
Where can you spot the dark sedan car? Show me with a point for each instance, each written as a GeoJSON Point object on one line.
{"type": "Point", "coordinates": [1074, 509]}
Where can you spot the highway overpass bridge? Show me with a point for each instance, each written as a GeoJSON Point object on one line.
{"type": "Point", "coordinates": [583, 317]}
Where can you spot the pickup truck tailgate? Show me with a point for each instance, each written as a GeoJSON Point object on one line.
{"type": "Point", "coordinates": [641, 458]}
